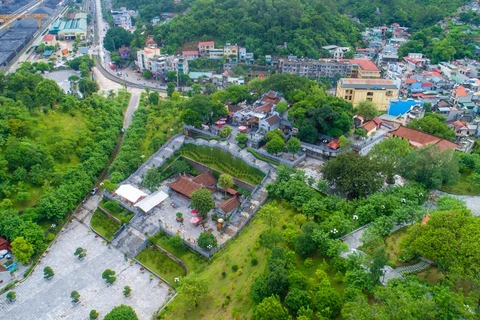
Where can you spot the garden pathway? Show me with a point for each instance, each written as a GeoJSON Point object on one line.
{"type": "Point", "coordinates": [472, 202]}
{"type": "Point", "coordinates": [416, 268]}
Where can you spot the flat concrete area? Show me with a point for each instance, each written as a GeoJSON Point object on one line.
{"type": "Point", "coordinates": [38, 298]}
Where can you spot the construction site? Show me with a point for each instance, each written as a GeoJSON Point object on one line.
{"type": "Point", "coordinates": [20, 22]}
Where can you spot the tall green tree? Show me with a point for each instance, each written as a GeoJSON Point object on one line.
{"type": "Point", "coordinates": [353, 175]}
{"type": "Point", "coordinates": [270, 309]}
{"type": "Point", "coordinates": [202, 201]}
{"type": "Point", "coordinates": [294, 145]}
{"type": "Point", "coordinates": [390, 154]}
{"type": "Point", "coordinates": [116, 37]}
{"type": "Point", "coordinates": [367, 109]}
{"type": "Point", "coordinates": [22, 250]}
{"type": "Point", "coordinates": [121, 312]}
{"type": "Point", "coordinates": [434, 124]}
{"type": "Point", "coordinates": [193, 288]}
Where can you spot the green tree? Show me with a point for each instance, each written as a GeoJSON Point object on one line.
{"type": "Point", "coordinates": [296, 299]}
{"type": "Point", "coordinates": [147, 74]}
{"type": "Point", "coordinates": [75, 296]}
{"type": "Point", "coordinates": [196, 88]}
{"type": "Point", "coordinates": [121, 312]}
{"type": "Point", "coordinates": [47, 92]}
{"type": "Point", "coordinates": [225, 181]}
{"type": "Point", "coordinates": [270, 237]}
{"type": "Point", "coordinates": [390, 154]}
{"type": "Point", "coordinates": [434, 124]}
{"type": "Point", "coordinates": [180, 166]}
{"type": "Point", "coordinates": [93, 315]}
{"type": "Point", "coordinates": [225, 131]}
{"type": "Point", "coordinates": [193, 288]}
{"type": "Point", "coordinates": [241, 138]}
{"type": "Point", "coordinates": [116, 37]}
{"type": "Point", "coordinates": [281, 107]}
{"type": "Point", "coordinates": [352, 174]}
{"type": "Point", "coordinates": [275, 145]}
{"type": "Point", "coordinates": [127, 291]}
{"type": "Point", "coordinates": [81, 253]}
{"type": "Point", "coordinates": [109, 276]}
{"type": "Point", "coordinates": [270, 309]}
{"type": "Point", "coordinates": [207, 241]}
{"type": "Point", "coordinates": [367, 109]}
{"type": "Point", "coordinates": [48, 273]}
{"type": "Point", "coordinates": [22, 250]}
{"type": "Point", "coordinates": [153, 98]}
{"type": "Point", "coordinates": [449, 239]}
{"type": "Point", "coordinates": [236, 93]}
{"type": "Point", "coordinates": [269, 214]}
{"type": "Point", "coordinates": [170, 89]}
{"type": "Point", "coordinates": [327, 301]}
{"type": "Point", "coordinates": [11, 296]}
{"type": "Point", "coordinates": [294, 145]}
{"type": "Point", "coordinates": [202, 201]}
{"type": "Point", "coordinates": [210, 88]}
{"type": "Point", "coordinates": [431, 167]}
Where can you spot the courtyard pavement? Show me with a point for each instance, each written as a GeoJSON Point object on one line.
{"type": "Point", "coordinates": [38, 298]}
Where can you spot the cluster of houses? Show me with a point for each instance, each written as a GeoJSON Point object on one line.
{"type": "Point", "coordinates": [123, 18]}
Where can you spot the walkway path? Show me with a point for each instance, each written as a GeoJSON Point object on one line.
{"type": "Point", "coordinates": [472, 202]}
{"type": "Point", "coordinates": [416, 268]}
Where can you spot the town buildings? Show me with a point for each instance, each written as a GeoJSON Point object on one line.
{"type": "Point", "coordinates": [72, 28]}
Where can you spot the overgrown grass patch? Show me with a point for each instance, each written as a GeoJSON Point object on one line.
{"type": "Point", "coordinates": [161, 264]}
{"type": "Point", "coordinates": [116, 210]}
{"type": "Point", "coordinates": [194, 261]}
{"type": "Point", "coordinates": [104, 225]}
{"type": "Point", "coordinates": [463, 187]}
{"type": "Point", "coordinates": [223, 161]}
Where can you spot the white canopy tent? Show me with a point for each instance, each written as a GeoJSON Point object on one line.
{"type": "Point", "coordinates": [152, 200]}
{"type": "Point", "coordinates": [130, 193]}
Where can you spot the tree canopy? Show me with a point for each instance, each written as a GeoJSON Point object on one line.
{"type": "Point", "coordinates": [433, 124]}
{"type": "Point", "coordinates": [121, 312]}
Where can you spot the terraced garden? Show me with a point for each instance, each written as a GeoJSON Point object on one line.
{"type": "Point", "coordinates": [222, 161]}
{"type": "Point", "coordinates": [117, 211]}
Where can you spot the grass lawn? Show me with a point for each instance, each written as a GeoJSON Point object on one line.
{"type": "Point", "coordinates": [35, 194]}
{"type": "Point", "coordinates": [104, 225]}
{"type": "Point", "coordinates": [193, 260]}
{"type": "Point", "coordinates": [235, 285]}
{"type": "Point", "coordinates": [432, 275]}
{"type": "Point", "coordinates": [161, 264]}
{"type": "Point", "coordinates": [392, 244]}
{"type": "Point", "coordinates": [116, 210]}
{"type": "Point", "coordinates": [463, 187]}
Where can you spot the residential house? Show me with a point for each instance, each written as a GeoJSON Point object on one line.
{"type": "Point", "coordinates": [191, 55]}
{"type": "Point", "coordinates": [124, 52]}
{"type": "Point", "coordinates": [315, 68]}
{"type": "Point", "coordinates": [231, 53]}
{"type": "Point", "coordinates": [49, 40]}
{"type": "Point", "coordinates": [228, 207]}
{"type": "Point", "coordinates": [370, 127]}
{"type": "Point", "coordinates": [206, 180]}
{"type": "Point", "coordinates": [244, 56]}
{"type": "Point", "coordinates": [145, 56]}
{"type": "Point", "coordinates": [416, 60]}
{"type": "Point", "coordinates": [420, 139]}
{"type": "Point", "coordinates": [4, 244]}
{"type": "Point", "coordinates": [270, 123]}
{"type": "Point", "coordinates": [379, 91]}
{"type": "Point", "coordinates": [458, 93]}
{"type": "Point", "coordinates": [204, 47]}
{"type": "Point", "coordinates": [336, 52]}
{"type": "Point", "coordinates": [363, 68]}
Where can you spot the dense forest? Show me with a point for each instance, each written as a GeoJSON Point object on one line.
{"type": "Point", "coordinates": [261, 26]}
{"type": "Point", "coordinates": [52, 147]}
{"type": "Point", "coordinates": [410, 13]}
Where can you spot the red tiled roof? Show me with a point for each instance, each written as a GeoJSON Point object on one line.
{"type": "Point", "coordinates": [4, 245]}
{"type": "Point", "coordinates": [48, 37]}
{"type": "Point", "coordinates": [334, 144]}
{"type": "Point", "coordinates": [184, 186]}
{"type": "Point", "coordinates": [265, 108]}
{"type": "Point", "coordinates": [421, 139]}
{"type": "Point", "coordinates": [369, 126]}
{"type": "Point", "coordinates": [273, 120]}
{"type": "Point", "coordinates": [460, 91]}
{"type": "Point", "coordinates": [150, 41]}
{"type": "Point", "coordinates": [427, 84]}
{"type": "Point", "coordinates": [366, 65]}
{"type": "Point", "coordinates": [377, 121]}
{"type": "Point", "coordinates": [206, 43]}
{"type": "Point", "coordinates": [411, 80]}
{"type": "Point", "coordinates": [229, 204]}
{"type": "Point", "coordinates": [459, 124]}
{"type": "Point", "coordinates": [205, 179]}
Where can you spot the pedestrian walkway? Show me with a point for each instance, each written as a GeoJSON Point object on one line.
{"type": "Point", "coordinates": [416, 268]}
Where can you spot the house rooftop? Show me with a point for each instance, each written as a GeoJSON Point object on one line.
{"type": "Point", "coordinates": [421, 139]}
{"type": "Point", "coordinates": [369, 126]}
{"type": "Point", "coordinates": [460, 91]}
{"type": "Point", "coordinates": [184, 186]}
{"type": "Point", "coordinates": [229, 204]}
{"type": "Point", "coordinates": [273, 120]}
{"type": "Point", "coordinates": [368, 84]}
{"type": "Point", "coordinates": [48, 37]}
{"type": "Point", "coordinates": [206, 43]}
{"type": "Point", "coordinates": [365, 64]}
{"type": "Point", "coordinates": [205, 179]}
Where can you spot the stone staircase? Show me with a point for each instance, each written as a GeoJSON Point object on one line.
{"type": "Point", "coordinates": [416, 268]}
{"type": "Point", "coordinates": [129, 241]}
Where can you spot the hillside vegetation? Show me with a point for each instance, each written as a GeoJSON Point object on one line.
{"type": "Point", "coordinates": [261, 26]}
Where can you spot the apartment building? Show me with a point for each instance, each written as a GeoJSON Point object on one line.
{"type": "Point", "coordinates": [379, 91]}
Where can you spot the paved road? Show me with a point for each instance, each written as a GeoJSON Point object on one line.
{"type": "Point", "coordinates": [132, 106]}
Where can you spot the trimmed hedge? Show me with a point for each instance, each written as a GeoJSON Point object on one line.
{"type": "Point", "coordinates": [259, 157]}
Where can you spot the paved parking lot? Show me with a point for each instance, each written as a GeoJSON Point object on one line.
{"type": "Point", "coordinates": [41, 299]}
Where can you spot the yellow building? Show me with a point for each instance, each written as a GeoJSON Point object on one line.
{"type": "Point", "coordinates": [379, 91]}
{"type": "Point", "coordinates": [363, 68]}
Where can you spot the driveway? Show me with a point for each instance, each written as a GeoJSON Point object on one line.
{"type": "Point", "coordinates": [41, 299]}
